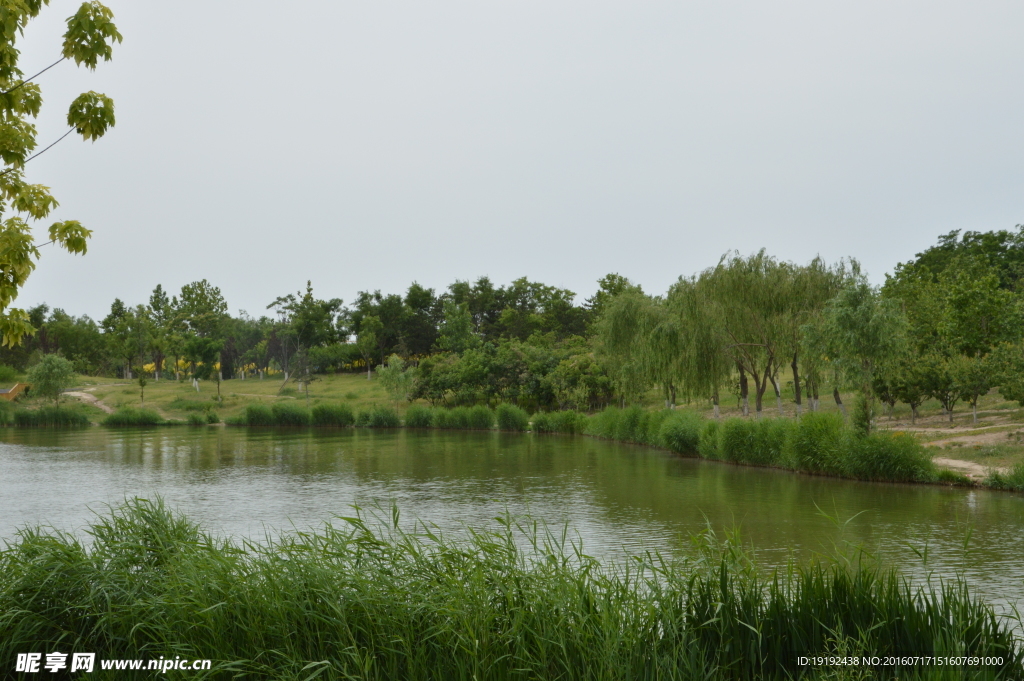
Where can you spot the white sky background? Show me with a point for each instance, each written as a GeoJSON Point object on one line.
{"type": "Point", "coordinates": [366, 145]}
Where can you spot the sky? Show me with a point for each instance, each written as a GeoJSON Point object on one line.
{"type": "Point", "coordinates": [367, 145]}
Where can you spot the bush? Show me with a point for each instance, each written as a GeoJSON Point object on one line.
{"type": "Point", "coordinates": [131, 416]}
{"type": "Point", "coordinates": [680, 432]}
{"type": "Point", "coordinates": [379, 417]}
{"type": "Point", "coordinates": [212, 418]}
{"type": "Point", "coordinates": [339, 415]}
{"type": "Point", "coordinates": [49, 416]}
{"type": "Point", "coordinates": [289, 414]}
{"type": "Point", "coordinates": [419, 416]}
{"type": "Point", "coordinates": [258, 415]}
{"type": "Point", "coordinates": [8, 374]}
{"type": "Point", "coordinates": [817, 444]}
{"type": "Point", "coordinates": [737, 438]}
{"type": "Point", "coordinates": [480, 418]}
{"type": "Point", "coordinates": [194, 419]}
{"type": "Point", "coordinates": [511, 417]}
{"type": "Point", "coordinates": [770, 438]}
{"type": "Point", "coordinates": [559, 422]}
{"type": "Point", "coordinates": [897, 457]}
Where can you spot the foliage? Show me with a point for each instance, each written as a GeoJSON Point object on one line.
{"type": "Point", "coordinates": [368, 599]}
{"type": "Point", "coordinates": [888, 456]}
{"type": "Point", "coordinates": [49, 416]}
{"type": "Point", "coordinates": [51, 376]}
{"type": "Point", "coordinates": [511, 417]}
{"type": "Point", "coordinates": [194, 419]}
{"type": "Point", "coordinates": [333, 415]}
{"type": "Point", "coordinates": [1013, 480]}
{"type": "Point", "coordinates": [398, 379]}
{"type": "Point", "coordinates": [8, 374]}
{"type": "Point", "coordinates": [817, 444]}
{"type": "Point", "coordinates": [569, 422]}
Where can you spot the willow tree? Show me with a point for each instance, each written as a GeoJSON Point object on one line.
{"type": "Point", "coordinates": [703, 365]}
{"type": "Point", "coordinates": [89, 38]}
{"type": "Point", "coordinates": [627, 345]}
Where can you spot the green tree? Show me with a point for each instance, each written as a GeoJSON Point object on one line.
{"type": "Point", "coordinates": [51, 376]}
{"type": "Point", "coordinates": [456, 332]}
{"type": "Point", "coordinates": [397, 378]}
{"type": "Point", "coordinates": [89, 37]}
{"type": "Point", "coordinates": [368, 340]}
{"type": "Point", "coordinates": [863, 332]}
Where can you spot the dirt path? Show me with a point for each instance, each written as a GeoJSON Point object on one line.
{"type": "Point", "coordinates": [91, 399]}
{"type": "Point", "coordinates": [973, 470]}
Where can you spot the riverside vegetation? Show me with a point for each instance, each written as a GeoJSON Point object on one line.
{"type": "Point", "coordinates": [363, 597]}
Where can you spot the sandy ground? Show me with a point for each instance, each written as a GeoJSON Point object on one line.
{"type": "Point", "coordinates": [975, 471]}
{"type": "Point", "coordinates": [91, 399]}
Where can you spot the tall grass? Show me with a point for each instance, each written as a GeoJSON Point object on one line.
{"type": "Point", "coordinates": [378, 417]}
{"type": "Point", "coordinates": [134, 416]}
{"type": "Point", "coordinates": [333, 415]}
{"type": "Point", "coordinates": [1012, 480]}
{"type": "Point", "coordinates": [418, 416]}
{"type": "Point", "coordinates": [48, 416]}
{"type": "Point", "coordinates": [288, 413]}
{"type": "Point", "coordinates": [559, 422]}
{"type": "Point", "coordinates": [258, 415]}
{"type": "Point", "coordinates": [511, 417]}
{"type": "Point", "coordinates": [365, 599]}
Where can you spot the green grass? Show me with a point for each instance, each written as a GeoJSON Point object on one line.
{"type": "Point", "coordinates": [418, 416]}
{"type": "Point", "coordinates": [131, 416]}
{"type": "Point", "coordinates": [365, 599]}
{"type": "Point", "coordinates": [46, 416]}
{"type": "Point", "coordinates": [1012, 480]}
{"type": "Point", "coordinates": [290, 414]}
{"type": "Point", "coordinates": [378, 417]}
{"type": "Point", "coordinates": [258, 415]}
{"type": "Point", "coordinates": [559, 422]}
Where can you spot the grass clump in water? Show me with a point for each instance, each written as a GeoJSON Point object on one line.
{"type": "Point", "coordinates": [511, 417]}
{"type": "Point", "coordinates": [258, 415]}
{"type": "Point", "coordinates": [378, 417]}
{"type": "Point", "coordinates": [47, 416]}
{"type": "Point", "coordinates": [133, 416]}
{"type": "Point", "coordinates": [559, 422]}
{"type": "Point", "coordinates": [339, 415]}
{"type": "Point", "coordinates": [419, 416]}
{"type": "Point", "coordinates": [290, 414]}
{"type": "Point", "coordinates": [368, 599]}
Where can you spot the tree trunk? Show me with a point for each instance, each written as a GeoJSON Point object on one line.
{"type": "Point", "coordinates": [796, 383]}
{"type": "Point", "coordinates": [778, 395]}
{"type": "Point", "coordinates": [744, 391]}
{"type": "Point", "coordinates": [197, 384]}
{"type": "Point", "coordinates": [974, 406]}
{"type": "Point", "coordinates": [814, 396]}
{"type": "Point", "coordinates": [913, 414]}
{"type": "Point", "coordinates": [839, 401]}
{"type": "Point", "coordinates": [714, 401]}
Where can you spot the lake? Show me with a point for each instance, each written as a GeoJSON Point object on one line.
{"type": "Point", "coordinates": [243, 482]}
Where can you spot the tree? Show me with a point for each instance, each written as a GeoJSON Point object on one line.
{"type": "Point", "coordinates": [51, 376]}
{"type": "Point", "coordinates": [456, 332]}
{"type": "Point", "coordinates": [89, 37]}
{"type": "Point", "coordinates": [367, 341]}
{"type": "Point", "coordinates": [862, 331]}
{"type": "Point", "coordinates": [398, 379]}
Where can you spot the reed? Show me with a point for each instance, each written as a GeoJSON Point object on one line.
{"type": "Point", "coordinates": [134, 416]}
{"type": "Point", "coordinates": [365, 599]}
{"type": "Point", "coordinates": [378, 417]}
{"type": "Point", "coordinates": [258, 415]}
{"type": "Point", "coordinates": [511, 417]}
{"type": "Point", "coordinates": [419, 417]}
{"type": "Point", "coordinates": [1012, 480]}
{"type": "Point", "coordinates": [290, 414]}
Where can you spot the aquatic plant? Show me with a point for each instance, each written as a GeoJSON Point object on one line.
{"type": "Point", "coordinates": [333, 415]}
{"type": "Point", "coordinates": [364, 598]}
{"type": "Point", "coordinates": [47, 416]}
{"type": "Point", "coordinates": [288, 413]}
{"type": "Point", "coordinates": [418, 416]}
{"type": "Point", "coordinates": [134, 416]}
{"type": "Point", "coordinates": [511, 417]}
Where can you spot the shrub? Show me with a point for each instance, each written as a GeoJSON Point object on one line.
{"type": "Point", "coordinates": [480, 418]}
{"type": "Point", "coordinates": [130, 416]}
{"type": "Point", "coordinates": [569, 422]}
{"type": "Point", "coordinates": [511, 417]}
{"type": "Point", "coordinates": [452, 419]}
{"type": "Point", "coordinates": [8, 374]}
{"type": "Point", "coordinates": [339, 415]}
{"type": "Point", "coordinates": [419, 416]}
{"type": "Point", "coordinates": [770, 438]}
{"type": "Point", "coordinates": [258, 415]}
{"type": "Point", "coordinates": [194, 419]}
{"type": "Point", "coordinates": [212, 418]}
{"type": "Point", "coordinates": [948, 477]}
{"type": "Point", "coordinates": [543, 422]}
{"type": "Point", "coordinates": [289, 414]}
{"type": "Point", "coordinates": [897, 457]}
{"type": "Point", "coordinates": [50, 416]}
{"type": "Point", "coordinates": [604, 424]}
{"type": "Point", "coordinates": [737, 438]}
{"type": "Point", "coordinates": [680, 432]}
{"type": "Point", "coordinates": [379, 417]}
{"type": "Point", "coordinates": [817, 444]}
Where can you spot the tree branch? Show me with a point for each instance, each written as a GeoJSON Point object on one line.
{"type": "Point", "coordinates": [28, 80]}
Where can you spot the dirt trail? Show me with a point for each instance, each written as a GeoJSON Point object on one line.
{"type": "Point", "coordinates": [91, 399]}
{"type": "Point", "coordinates": [973, 470]}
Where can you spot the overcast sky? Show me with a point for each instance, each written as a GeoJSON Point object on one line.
{"type": "Point", "coordinates": [366, 145]}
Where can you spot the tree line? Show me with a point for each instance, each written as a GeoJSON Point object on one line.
{"type": "Point", "coordinates": [945, 326]}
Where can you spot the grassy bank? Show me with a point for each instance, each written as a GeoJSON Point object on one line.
{"type": "Point", "coordinates": [371, 601]}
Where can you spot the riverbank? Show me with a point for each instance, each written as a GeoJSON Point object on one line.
{"type": "Point", "coordinates": [370, 598]}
